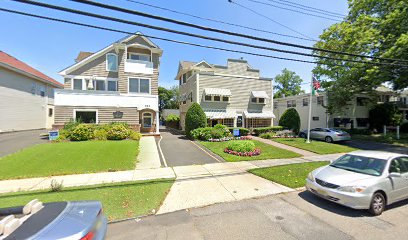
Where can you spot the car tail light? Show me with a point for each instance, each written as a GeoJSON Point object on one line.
{"type": "Point", "coordinates": [88, 236]}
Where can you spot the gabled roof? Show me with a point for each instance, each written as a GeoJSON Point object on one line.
{"type": "Point", "coordinates": [82, 55]}
{"type": "Point", "coordinates": [108, 48]}
{"type": "Point", "coordinates": [16, 65]}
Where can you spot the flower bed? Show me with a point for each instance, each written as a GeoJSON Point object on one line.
{"type": "Point", "coordinates": [256, 152]}
{"type": "Point", "coordinates": [242, 148]}
{"type": "Point", "coordinates": [278, 134]}
{"type": "Point", "coordinates": [229, 139]}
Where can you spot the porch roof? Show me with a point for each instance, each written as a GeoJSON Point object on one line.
{"type": "Point", "coordinates": [217, 91]}
{"type": "Point", "coordinates": [264, 114]}
{"type": "Point", "coordinates": [220, 114]}
{"type": "Point", "coordinates": [259, 94]}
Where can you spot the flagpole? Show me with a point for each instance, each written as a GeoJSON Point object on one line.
{"type": "Point", "coordinates": [310, 111]}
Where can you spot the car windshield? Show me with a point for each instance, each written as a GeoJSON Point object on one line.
{"type": "Point", "coordinates": [360, 164]}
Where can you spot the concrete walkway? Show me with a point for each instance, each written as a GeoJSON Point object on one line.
{"type": "Point", "coordinates": [148, 157]}
{"type": "Point", "coordinates": [283, 146]}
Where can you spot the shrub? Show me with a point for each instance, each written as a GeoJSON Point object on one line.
{"type": "Point", "coordinates": [208, 133]}
{"type": "Point", "coordinates": [63, 135]}
{"type": "Point", "coordinates": [259, 131]}
{"type": "Point", "coordinates": [241, 146]}
{"type": "Point", "coordinates": [82, 132]}
{"type": "Point", "coordinates": [56, 186]}
{"type": "Point", "coordinates": [268, 135]}
{"type": "Point", "coordinates": [118, 132]}
{"type": "Point", "coordinates": [69, 126]}
{"type": "Point", "coordinates": [290, 119]}
{"type": "Point", "coordinates": [135, 135]}
{"type": "Point", "coordinates": [172, 118]}
{"type": "Point", "coordinates": [384, 114]}
{"type": "Point", "coordinates": [195, 118]}
{"type": "Point", "coordinates": [223, 130]}
{"type": "Point", "coordinates": [242, 131]}
{"type": "Point", "coordinates": [100, 134]}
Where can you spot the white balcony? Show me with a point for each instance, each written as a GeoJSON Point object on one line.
{"type": "Point", "coordinates": [137, 66]}
{"type": "Point", "coordinates": [84, 98]}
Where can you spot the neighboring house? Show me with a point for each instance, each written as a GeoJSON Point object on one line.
{"type": "Point", "coordinates": [116, 84]}
{"type": "Point", "coordinates": [234, 95]}
{"type": "Point", "coordinates": [354, 115]}
{"type": "Point", "coordinates": [26, 96]}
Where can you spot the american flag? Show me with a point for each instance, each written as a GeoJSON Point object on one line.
{"type": "Point", "coordinates": [315, 83]}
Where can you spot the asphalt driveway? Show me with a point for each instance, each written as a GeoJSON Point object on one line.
{"type": "Point", "coordinates": [367, 145]}
{"type": "Point", "coordinates": [14, 141]}
{"type": "Point", "coordinates": [180, 151]}
{"type": "Point", "coordinates": [295, 215]}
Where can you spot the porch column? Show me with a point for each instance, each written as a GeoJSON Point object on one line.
{"type": "Point", "coordinates": [157, 123]}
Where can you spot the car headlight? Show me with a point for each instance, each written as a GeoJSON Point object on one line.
{"type": "Point", "coordinates": [351, 189]}
{"type": "Point", "coordinates": [311, 177]}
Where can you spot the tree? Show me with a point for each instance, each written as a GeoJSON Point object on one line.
{"type": "Point", "coordinates": [384, 114]}
{"type": "Point", "coordinates": [376, 28]}
{"type": "Point", "coordinates": [291, 120]}
{"type": "Point", "coordinates": [195, 118]}
{"type": "Point", "coordinates": [168, 98]}
{"type": "Point", "coordinates": [287, 83]}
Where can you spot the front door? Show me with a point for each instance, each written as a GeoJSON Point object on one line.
{"type": "Point", "coordinates": [239, 121]}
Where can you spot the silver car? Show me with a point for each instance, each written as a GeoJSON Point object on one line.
{"type": "Point", "coordinates": [326, 134]}
{"type": "Point", "coordinates": [83, 220]}
{"type": "Point", "coordinates": [362, 180]}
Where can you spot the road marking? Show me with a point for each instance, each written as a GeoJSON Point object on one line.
{"type": "Point", "coordinates": [160, 151]}
{"type": "Point", "coordinates": [205, 151]}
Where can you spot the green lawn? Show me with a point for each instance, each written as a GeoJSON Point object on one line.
{"type": "Point", "coordinates": [390, 138]}
{"type": "Point", "coordinates": [315, 146]}
{"type": "Point", "coordinates": [267, 152]}
{"type": "Point", "coordinates": [119, 200]}
{"type": "Point", "coordinates": [291, 175]}
{"type": "Point", "coordinates": [52, 159]}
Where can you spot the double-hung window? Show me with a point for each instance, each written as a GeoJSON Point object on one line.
{"type": "Point", "coordinates": [139, 57]}
{"type": "Point", "coordinates": [112, 86]}
{"type": "Point", "coordinates": [77, 85]}
{"type": "Point", "coordinates": [111, 62]}
{"type": "Point", "coordinates": [139, 85]}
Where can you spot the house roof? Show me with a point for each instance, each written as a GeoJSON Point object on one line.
{"type": "Point", "coordinates": [14, 64]}
{"type": "Point", "coordinates": [82, 55]}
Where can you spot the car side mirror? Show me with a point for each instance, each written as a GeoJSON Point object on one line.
{"type": "Point", "coordinates": [395, 174]}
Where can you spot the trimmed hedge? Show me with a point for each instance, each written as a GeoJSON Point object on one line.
{"type": "Point", "coordinates": [217, 132]}
{"type": "Point", "coordinates": [82, 132]}
{"type": "Point", "coordinates": [195, 118]}
{"type": "Point", "coordinates": [241, 146]}
{"type": "Point", "coordinates": [259, 131]}
{"type": "Point", "coordinates": [290, 120]}
{"type": "Point", "coordinates": [242, 131]}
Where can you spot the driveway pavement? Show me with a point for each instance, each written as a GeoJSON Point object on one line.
{"type": "Point", "coordinates": [367, 145]}
{"type": "Point", "coordinates": [180, 151]}
{"type": "Point", "coordinates": [14, 141]}
{"type": "Point", "coordinates": [294, 215]}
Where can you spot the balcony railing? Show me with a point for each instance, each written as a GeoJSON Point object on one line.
{"type": "Point", "coordinates": [137, 66]}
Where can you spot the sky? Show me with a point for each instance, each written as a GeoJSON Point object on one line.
{"type": "Point", "coordinates": [51, 46]}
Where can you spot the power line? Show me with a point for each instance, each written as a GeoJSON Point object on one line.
{"type": "Point", "coordinates": [305, 7]}
{"type": "Point", "coordinates": [217, 21]}
{"type": "Point", "coordinates": [133, 12]}
{"type": "Point", "coordinates": [297, 11]}
{"type": "Point", "coordinates": [270, 19]}
{"type": "Point", "coordinates": [196, 35]}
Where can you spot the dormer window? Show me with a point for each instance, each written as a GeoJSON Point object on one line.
{"type": "Point", "coordinates": [139, 57]}
{"type": "Point", "coordinates": [111, 62]}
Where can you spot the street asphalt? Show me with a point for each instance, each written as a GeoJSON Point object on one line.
{"type": "Point", "coordinates": [295, 215]}
{"type": "Point", "coordinates": [14, 141]}
{"type": "Point", "coordinates": [180, 151]}
{"type": "Point", "coordinates": [366, 145]}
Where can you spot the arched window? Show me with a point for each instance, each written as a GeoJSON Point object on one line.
{"type": "Point", "coordinates": [111, 62]}
{"type": "Point", "coordinates": [147, 119]}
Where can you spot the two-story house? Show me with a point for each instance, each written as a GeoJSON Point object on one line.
{"type": "Point", "coordinates": [234, 95]}
{"type": "Point", "coordinates": [116, 84]}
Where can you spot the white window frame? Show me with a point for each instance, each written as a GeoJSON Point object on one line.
{"type": "Point", "coordinates": [139, 93]}
{"type": "Point", "coordinates": [87, 110]}
{"type": "Point", "coordinates": [151, 119]}
{"type": "Point", "coordinates": [85, 87]}
{"type": "Point", "coordinates": [78, 78]}
{"type": "Point", "coordinates": [116, 64]}
{"type": "Point", "coordinates": [141, 54]}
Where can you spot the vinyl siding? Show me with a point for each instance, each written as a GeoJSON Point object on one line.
{"type": "Point", "coordinates": [20, 108]}
{"type": "Point", "coordinates": [97, 67]}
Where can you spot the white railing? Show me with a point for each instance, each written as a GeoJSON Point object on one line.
{"type": "Point", "coordinates": [137, 66]}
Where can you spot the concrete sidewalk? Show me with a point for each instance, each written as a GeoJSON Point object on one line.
{"type": "Point", "coordinates": [286, 147]}
{"type": "Point", "coordinates": [148, 157]}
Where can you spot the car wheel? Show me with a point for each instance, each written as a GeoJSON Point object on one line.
{"type": "Point", "coordinates": [328, 139]}
{"type": "Point", "coordinates": [302, 135]}
{"type": "Point", "coordinates": [377, 205]}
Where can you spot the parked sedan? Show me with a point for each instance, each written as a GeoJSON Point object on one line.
{"type": "Point", "coordinates": [326, 134]}
{"type": "Point", "coordinates": [362, 180]}
{"type": "Point", "coordinates": [82, 220]}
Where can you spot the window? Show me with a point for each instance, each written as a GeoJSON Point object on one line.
{"type": "Point", "coordinates": [320, 100]}
{"type": "Point", "coordinates": [361, 101]}
{"type": "Point", "coordinates": [42, 91]}
{"type": "Point", "coordinates": [33, 88]}
{"type": "Point", "coordinates": [112, 86]}
{"type": "Point", "coordinates": [139, 57]}
{"type": "Point", "coordinates": [85, 116]}
{"type": "Point", "coordinates": [217, 98]}
{"type": "Point", "coordinates": [207, 98]}
{"type": "Point", "coordinates": [77, 84]}
{"type": "Point", "coordinates": [139, 85]}
{"type": "Point", "coordinates": [362, 122]}
{"type": "Point", "coordinates": [315, 118]}
{"type": "Point", "coordinates": [253, 100]}
{"type": "Point", "coordinates": [305, 102]}
{"type": "Point", "coordinates": [99, 85]}
{"type": "Point", "coordinates": [239, 121]}
{"type": "Point", "coordinates": [229, 122]}
{"type": "Point", "coordinates": [147, 120]}
{"type": "Point", "coordinates": [111, 62]}
{"type": "Point", "coordinates": [291, 103]}
{"type": "Point", "coordinates": [261, 100]}
{"type": "Point", "coordinates": [225, 99]}
{"type": "Point", "coordinates": [275, 105]}
{"type": "Point", "coordinates": [399, 165]}
{"type": "Point", "coordinates": [50, 112]}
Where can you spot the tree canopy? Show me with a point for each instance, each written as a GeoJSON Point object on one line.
{"type": "Point", "coordinates": [287, 83]}
{"type": "Point", "coordinates": [376, 28]}
{"type": "Point", "coordinates": [168, 98]}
